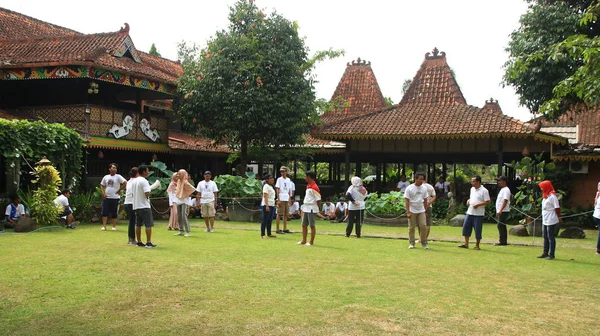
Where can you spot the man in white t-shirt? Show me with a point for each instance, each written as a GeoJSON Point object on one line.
{"type": "Point", "coordinates": [502, 210]}
{"type": "Point", "coordinates": [415, 200]}
{"type": "Point", "coordinates": [141, 207]}
{"type": "Point", "coordinates": [294, 211]}
{"type": "Point", "coordinates": [208, 193]}
{"type": "Point", "coordinates": [442, 187]}
{"type": "Point", "coordinates": [67, 213]}
{"type": "Point", "coordinates": [111, 186]}
{"type": "Point", "coordinates": [431, 197]}
{"type": "Point", "coordinates": [341, 210]}
{"type": "Point", "coordinates": [13, 212]}
{"type": "Point", "coordinates": [310, 209]}
{"type": "Point", "coordinates": [402, 184]}
{"type": "Point", "coordinates": [478, 199]}
{"type": "Point", "coordinates": [283, 188]}
{"type": "Point", "coordinates": [328, 210]}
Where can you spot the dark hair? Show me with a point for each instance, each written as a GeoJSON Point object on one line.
{"type": "Point", "coordinates": [14, 197]}
{"type": "Point", "coordinates": [66, 191]}
{"type": "Point", "coordinates": [419, 174]}
{"type": "Point", "coordinates": [133, 172]}
{"type": "Point", "coordinates": [268, 176]}
{"type": "Point", "coordinates": [142, 169]}
{"type": "Point", "coordinates": [311, 174]}
{"type": "Point", "coordinates": [477, 178]}
{"type": "Point", "coordinates": [113, 164]}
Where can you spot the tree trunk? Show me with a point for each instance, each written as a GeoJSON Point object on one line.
{"type": "Point", "coordinates": [243, 157]}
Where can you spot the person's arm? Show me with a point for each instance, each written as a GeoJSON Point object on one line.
{"type": "Point", "coordinates": [504, 202]}
{"type": "Point", "coordinates": [266, 198]}
{"type": "Point", "coordinates": [123, 185]}
{"type": "Point", "coordinates": [407, 206]}
{"type": "Point", "coordinates": [557, 209]}
{"type": "Point", "coordinates": [433, 198]}
{"type": "Point", "coordinates": [10, 220]}
{"type": "Point", "coordinates": [103, 190]}
{"type": "Point", "coordinates": [216, 199]}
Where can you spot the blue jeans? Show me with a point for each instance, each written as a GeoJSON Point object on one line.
{"type": "Point", "coordinates": [131, 217]}
{"type": "Point", "coordinates": [597, 221]}
{"type": "Point", "coordinates": [267, 220]}
{"type": "Point", "coordinates": [549, 234]}
{"type": "Point", "coordinates": [470, 223]}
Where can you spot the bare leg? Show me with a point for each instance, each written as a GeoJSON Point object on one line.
{"type": "Point", "coordinates": [313, 232]}
{"type": "Point", "coordinates": [114, 222]}
{"type": "Point", "coordinates": [212, 222]}
{"type": "Point", "coordinates": [148, 234]}
{"type": "Point", "coordinates": [477, 242]}
{"type": "Point", "coordinates": [104, 220]}
{"type": "Point", "coordinates": [70, 219]}
{"type": "Point", "coordinates": [466, 241]}
{"type": "Point", "coordinates": [138, 233]}
{"type": "Point", "coordinates": [304, 233]}
{"type": "Point", "coordinates": [206, 223]}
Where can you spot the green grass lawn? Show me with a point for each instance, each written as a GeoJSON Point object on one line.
{"type": "Point", "coordinates": [231, 282]}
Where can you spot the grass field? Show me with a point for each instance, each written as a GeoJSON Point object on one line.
{"type": "Point", "coordinates": [231, 282]}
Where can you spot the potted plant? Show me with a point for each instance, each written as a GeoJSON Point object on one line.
{"type": "Point", "coordinates": [385, 209]}
{"type": "Point", "coordinates": [241, 196]}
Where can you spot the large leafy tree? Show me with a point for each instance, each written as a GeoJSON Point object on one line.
{"type": "Point", "coordinates": [252, 85]}
{"type": "Point", "coordinates": [154, 50]}
{"type": "Point", "coordinates": [533, 68]}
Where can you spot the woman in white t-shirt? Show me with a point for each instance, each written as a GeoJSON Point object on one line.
{"type": "Point", "coordinates": [268, 207]}
{"type": "Point", "coordinates": [596, 216]}
{"type": "Point", "coordinates": [550, 219]}
{"type": "Point", "coordinates": [356, 195]}
{"type": "Point", "coordinates": [171, 190]}
{"type": "Point", "coordinates": [128, 205]}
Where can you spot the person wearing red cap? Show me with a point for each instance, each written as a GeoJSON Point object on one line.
{"type": "Point", "coordinates": [550, 217]}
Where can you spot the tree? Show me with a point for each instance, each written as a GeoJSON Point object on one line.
{"type": "Point", "coordinates": [405, 85]}
{"type": "Point", "coordinates": [154, 51]}
{"type": "Point", "coordinates": [252, 85]}
{"type": "Point", "coordinates": [532, 68]}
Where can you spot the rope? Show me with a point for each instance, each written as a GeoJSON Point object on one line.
{"type": "Point", "coordinates": [240, 204]}
{"type": "Point", "coordinates": [159, 212]}
{"type": "Point", "coordinates": [382, 218]}
{"type": "Point", "coordinates": [40, 229]}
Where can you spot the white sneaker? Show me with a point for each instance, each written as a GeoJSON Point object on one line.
{"type": "Point", "coordinates": [411, 246]}
{"type": "Point", "coordinates": [188, 235]}
{"type": "Point", "coordinates": [114, 228]}
{"type": "Point", "coordinates": [426, 247]}
{"type": "Point", "coordinates": [308, 244]}
{"type": "Point", "coordinates": [178, 234]}
{"type": "Point", "coordinates": [301, 243]}
{"type": "Point", "coordinates": [212, 230]}
{"type": "Point", "coordinates": [103, 229]}
{"type": "Point", "coordinates": [207, 230]}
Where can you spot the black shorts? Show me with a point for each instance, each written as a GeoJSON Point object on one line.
{"type": "Point", "coordinates": [143, 217]}
{"type": "Point", "coordinates": [66, 213]}
{"type": "Point", "coordinates": [109, 207]}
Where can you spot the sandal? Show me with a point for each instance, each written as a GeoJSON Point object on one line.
{"type": "Point", "coordinates": [463, 246]}
{"type": "Point", "coordinates": [476, 248]}
{"type": "Point", "coordinates": [272, 236]}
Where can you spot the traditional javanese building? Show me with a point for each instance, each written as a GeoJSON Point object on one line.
{"type": "Point", "coordinates": [120, 99]}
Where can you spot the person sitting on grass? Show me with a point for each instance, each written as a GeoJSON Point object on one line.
{"type": "Point", "coordinates": [328, 210]}
{"type": "Point", "coordinates": [341, 210]}
{"type": "Point", "coordinates": [13, 211]}
{"type": "Point", "coordinates": [310, 209]}
{"type": "Point", "coordinates": [67, 213]}
{"type": "Point", "coordinates": [294, 211]}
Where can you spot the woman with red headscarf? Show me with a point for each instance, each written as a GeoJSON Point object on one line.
{"type": "Point", "coordinates": [550, 217]}
{"type": "Point", "coordinates": [596, 216]}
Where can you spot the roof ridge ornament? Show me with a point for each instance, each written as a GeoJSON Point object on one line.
{"type": "Point", "coordinates": [492, 101]}
{"type": "Point", "coordinates": [124, 29]}
{"type": "Point", "coordinates": [435, 54]}
{"type": "Point", "coordinates": [358, 61]}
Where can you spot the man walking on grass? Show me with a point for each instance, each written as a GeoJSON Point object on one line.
{"type": "Point", "coordinates": [310, 209]}
{"type": "Point", "coordinates": [478, 199]}
{"type": "Point", "coordinates": [283, 188]}
{"type": "Point", "coordinates": [111, 186]}
{"type": "Point", "coordinates": [415, 199]}
{"type": "Point", "coordinates": [141, 207]}
{"type": "Point", "coordinates": [208, 195]}
{"type": "Point", "coordinates": [502, 210]}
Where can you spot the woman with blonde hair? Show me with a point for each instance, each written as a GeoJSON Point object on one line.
{"type": "Point", "coordinates": [173, 222]}
{"type": "Point", "coordinates": [183, 201]}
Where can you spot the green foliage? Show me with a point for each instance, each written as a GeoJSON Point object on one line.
{"type": "Point", "coordinates": [158, 171]}
{"type": "Point", "coordinates": [237, 186]}
{"type": "Point", "coordinates": [388, 204]}
{"type": "Point", "coordinates": [43, 208]}
{"type": "Point", "coordinates": [154, 51]}
{"type": "Point", "coordinates": [389, 101]}
{"type": "Point", "coordinates": [84, 205]}
{"type": "Point", "coordinates": [36, 139]}
{"type": "Point", "coordinates": [440, 208]}
{"type": "Point", "coordinates": [253, 83]}
{"type": "Point", "coordinates": [537, 65]}
{"type": "Point", "coordinates": [26, 197]}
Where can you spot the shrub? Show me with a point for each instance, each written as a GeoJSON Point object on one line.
{"type": "Point", "coordinates": [43, 208]}
{"type": "Point", "coordinates": [387, 204]}
{"type": "Point", "coordinates": [237, 186]}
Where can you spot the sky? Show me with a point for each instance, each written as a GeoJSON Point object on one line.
{"type": "Point", "coordinates": [393, 35]}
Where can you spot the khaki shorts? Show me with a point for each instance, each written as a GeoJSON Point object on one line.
{"type": "Point", "coordinates": [208, 209]}
{"type": "Point", "coordinates": [283, 208]}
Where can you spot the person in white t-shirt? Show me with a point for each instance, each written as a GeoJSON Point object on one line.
{"type": "Point", "coordinates": [415, 200]}
{"type": "Point", "coordinates": [596, 216]}
{"type": "Point", "coordinates": [431, 197]}
{"type": "Point", "coordinates": [310, 209]}
{"type": "Point", "coordinates": [141, 207]}
{"type": "Point", "coordinates": [502, 210]}
{"type": "Point", "coordinates": [341, 210]}
{"type": "Point", "coordinates": [478, 199]}
{"type": "Point", "coordinates": [208, 193]}
{"type": "Point", "coordinates": [328, 210]}
{"type": "Point", "coordinates": [356, 195]}
{"type": "Point", "coordinates": [550, 219]}
{"type": "Point", "coordinates": [402, 184]}
{"type": "Point", "coordinates": [111, 186]}
{"type": "Point", "coordinates": [13, 212]}
{"type": "Point", "coordinates": [442, 187]}
{"type": "Point", "coordinates": [283, 188]}
{"type": "Point", "coordinates": [294, 211]}
{"type": "Point", "coordinates": [67, 213]}
{"type": "Point", "coordinates": [128, 205]}
{"type": "Point", "coordinates": [268, 207]}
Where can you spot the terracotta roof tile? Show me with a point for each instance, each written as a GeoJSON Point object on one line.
{"type": "Point", "coordinates": [588, 123]}
{"type": "Point", "coordinates": [359, 88]}
{"type": "Point", "coordinates": [182, 141]}
{"type": "Point", "coordinates": [14, 25]}
{"type": "Point", "coordinates": [434, 83]}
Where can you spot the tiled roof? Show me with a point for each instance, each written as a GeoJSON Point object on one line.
{"type": "Point", "coordinates": [26, 41]}
{"type": "Point", "coordinates": [313, 142]}
{"type": "Point", "coordinates": [358, 88]}
{"type": "Point", "coordinates": [16, 26]}
{"type": "Point", "coordinates": [434, 83]}
{"type": "Point", "coordinates": [588, 123]}
{"type": "Point", "coordinates": [182, 141]}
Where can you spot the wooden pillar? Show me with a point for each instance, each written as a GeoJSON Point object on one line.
{"type": "Point", "coordinates": [500, 155]}
{"type": "Point", "coordinates": [347, 158]}
{"type": "Point", "coordinates": [384, 169]}
{"type": "Point", "coordinates": [330, 171]}
{"type": "Point", "coordinates": [377, 176]}
{"type": "Point", "coordinates": [358, 169]}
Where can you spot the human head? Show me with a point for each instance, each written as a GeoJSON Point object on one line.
{"type": "Point", "coordinates": [328, 201]}
{"type": "Point", "coordinates": [476, 181]}
{"type": "Point", "coordinates": [66, 192]}
{"type": "Point", "coordinates": [207, 175]}
{"type": "Point", "coordinates": [15, 199]}
{"type": "Point", "coordinates": [502, 181]}
{"type": "Point", "coordinates": [270, 179]}
{"type": "Point", "coordinates": [284, 171]}
{"type": "Point", "coordinates": [310, 177]}
{"type": "Point", "coordinates": [112, 168]}
{"type": "Point", "coordinates": [547, 188]}
{"type": "Point", "coordinates": [441, 179]}
{"type": "Point", "coordinates": [183, 174]}
{"type": "Point", "coordinates": [342, 200]}
{"type": "Point", "coordinates": [133, 172]}
{"type": "Point", "coordinates": [143, 171]}
{"type": "Point", "coordinates": [356, 181]}
{"type": "Point", "coordinates": [403, 177]}
{"type": "Point", "coordinates": [419, 178]}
